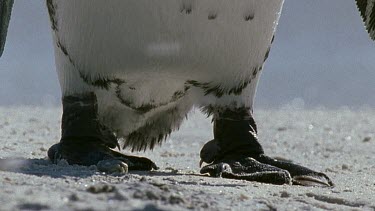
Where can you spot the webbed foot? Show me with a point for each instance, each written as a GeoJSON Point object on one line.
{"type": "Point", "coordinates": [235, 153]}
{"type": "Point", "coordinates": [266, 170]}
{"type": "Point", "coordinates": [84, 141]}
{"type": "Point", "coordinates": [248, 169]}
{"type": "Point", "coordinates": [90, 153]}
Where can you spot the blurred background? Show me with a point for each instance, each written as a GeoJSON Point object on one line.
{"type": "Point", "coordinates": [322, 57]}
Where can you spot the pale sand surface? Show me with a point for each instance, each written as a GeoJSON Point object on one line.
{"type": "Point", "coordinates": [340, 143]}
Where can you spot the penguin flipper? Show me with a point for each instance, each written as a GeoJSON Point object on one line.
{"type": "Point", "coordinates": [5, 12]}
{"type": "Point", "coordinates": [367, 10]}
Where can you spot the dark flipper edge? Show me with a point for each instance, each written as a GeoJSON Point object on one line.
{"type": "Point", "coordinates": [367, 10]}
{"type": "Point", "coordinates": [5, 11]}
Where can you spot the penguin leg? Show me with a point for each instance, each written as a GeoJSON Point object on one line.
{"type": "Point", "coordinates": [84, 141]}
{"type": "Point", "coordinates": [235, 153]}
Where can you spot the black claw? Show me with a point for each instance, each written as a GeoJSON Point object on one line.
{"type": "Point", "coordinates": [215, 170]}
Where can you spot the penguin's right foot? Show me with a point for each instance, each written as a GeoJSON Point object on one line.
{"type": "Point", "coordinates": [87, 153]}
{"type": "Point", "coordinates": [84, 141]}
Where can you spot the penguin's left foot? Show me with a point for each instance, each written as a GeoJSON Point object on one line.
{"type": "Point", "coordinates": [266, 170]}
{"type": "Point", "coordinates": [84, 141]}
{"type": "Point", "coordinates": [235, 153]}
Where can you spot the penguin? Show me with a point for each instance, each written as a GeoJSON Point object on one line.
{"type": "Point", "coordinates": [367, 10]}
{"type": "Point", "coordinates": [130, 71]}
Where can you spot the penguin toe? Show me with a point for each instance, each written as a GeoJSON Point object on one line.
{"type": "Point", "coordinates": [112, 166]}
{"type": "Point", "coordinates": [248, 169]}
{"type": "Point", "coordinates": [266, 170]}
{"type": "Point", "coordinates": [300, 174]}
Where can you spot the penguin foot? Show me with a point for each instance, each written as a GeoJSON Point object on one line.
{"type": "Point", "coordinates": [93, 153]}
{"type": "Point", "coordinates": [85, 141]}
{"type": "Point", "coordinates": [248, 169]}
{"type": "Point", "coordinates": [236, 153]}
{"type": "Point", "coordinates": [266, 170]}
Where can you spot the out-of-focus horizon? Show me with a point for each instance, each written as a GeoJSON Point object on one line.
{"type": "Point", "coordinates": [322, 57]}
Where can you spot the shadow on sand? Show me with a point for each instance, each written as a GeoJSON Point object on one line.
{"type": "Point", "coordinates": [44, 167]}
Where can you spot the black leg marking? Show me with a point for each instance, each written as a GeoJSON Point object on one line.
{"type": "Point", "coordinates": [85, 141]}
{"type": "Point", "coordinates": [80, 120]}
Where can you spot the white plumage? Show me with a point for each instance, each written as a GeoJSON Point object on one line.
{"type": "Point", "coordinates": [149, 62]}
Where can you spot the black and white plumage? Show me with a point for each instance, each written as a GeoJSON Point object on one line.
{"type": "Point", "coordinates": [150, 62]}
{"type": "Point", "coordinates": [136, 68]}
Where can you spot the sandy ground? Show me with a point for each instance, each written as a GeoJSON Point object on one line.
{"type": "Point", "coordinates": [340, 143]}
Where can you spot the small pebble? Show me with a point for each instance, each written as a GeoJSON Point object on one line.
{"type": "Point", "coordinates": [33, 206]}
{"type": "Point", "coordinates": [33, 120]}
{"type": "Point", "coordinates": [119, 196]}
{"type": "Point", "coordinates": [149, 195]}
{"type": "Point", "coordinates": [282, 129]}
{"type": "Point", "coordinates": [243, 197]}
{"type": "Point", "coordinates": [344, 167]}
{"type": "Point", "coordinates": [101, 188]}
{"type": "Point", "coordinates": [93, 168]}
{"type": "Point", "coordinates": [176, 200]}
{"type": "Point", "coordinates": [62, 163]}
{"type": "Point", "coordinates": [73, 197]}
{"type": "Point", "coordinates": [143, 179]}
{"type": "Point", "coordinates": [367, 139]}
{"type": "Point", "coordinates": [285, 194]}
